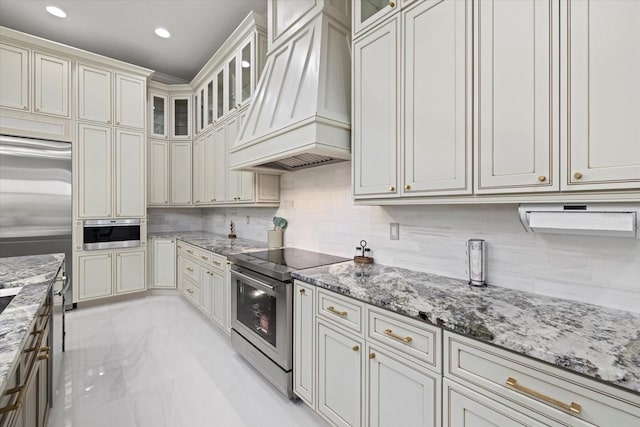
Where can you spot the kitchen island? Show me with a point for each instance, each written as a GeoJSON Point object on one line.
{"type": "Point", "coordinates": [35, 274]}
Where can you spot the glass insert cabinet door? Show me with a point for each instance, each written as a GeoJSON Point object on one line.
{"type": "Point", "coordinates": [246, 66]}
{"type": "Point", "coordinates": [159, 115]}
{"type": "Point", "coordinates": [181, 110]}
{"type": "Point", "coordinates": [210, 102]}
{"type": "Point", "coordinates": [220, 93]}
{"type": "Point", "coordinates": [232, 89]}
{"type": "Point", "coordinates": [369, 11]}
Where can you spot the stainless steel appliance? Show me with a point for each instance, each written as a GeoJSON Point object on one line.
{"type": "Point", "coordinates": [110, 233]}
{"type": "Point", "coordinates": [35, 199]}
{"type": "Point", "coordinates": [262, 308]}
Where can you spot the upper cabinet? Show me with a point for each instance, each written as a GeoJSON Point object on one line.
{"type": "Point", "coordinates": [51, 85]}
{"type": "Point", "coordinates": [158, 114]}
{"type": "Point", "coordinates": [471, 101]}
{"type": "Point", "coordinates": [180, 117]}
{"type": "Point", "coordinates": [124, 105]}
{"type": "Point", "coordinates": [14, 80]}
{"type": "Point", "coordinates": [602, 92]}
{"type": "Point", "coordinates": [516, 58]}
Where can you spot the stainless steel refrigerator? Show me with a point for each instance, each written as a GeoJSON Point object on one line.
{"type": "Point", "coordinates": [35, 199]}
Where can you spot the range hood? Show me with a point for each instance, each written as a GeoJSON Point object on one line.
{"type": "Point", "coordinates": [300, 115]}
{"type": "Point", "coordinates": [592, 220]}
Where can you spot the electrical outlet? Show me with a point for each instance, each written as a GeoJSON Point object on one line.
{"type": "Point", "coordinates": [248, 220]}
{"type": "Point", "coordinates": [394, 231]}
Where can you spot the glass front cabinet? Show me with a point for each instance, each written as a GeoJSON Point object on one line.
{"type": "Point", "coordinates": [159, 115]}
{"type": "Point", "coordinates": [241, 76]}
{"type": "Point", "coordinates": [181, 121]}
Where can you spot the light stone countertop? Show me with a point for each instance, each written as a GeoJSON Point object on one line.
{"type": "Point", "coordinates": [595, 341]}
{"type": "Point", "coordinates": [35, 275]}
{"type": "Point", "coordinates": [218, 243]}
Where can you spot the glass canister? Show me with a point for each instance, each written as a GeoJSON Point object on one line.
{"type": "Point", "coordinates": [476, 251]}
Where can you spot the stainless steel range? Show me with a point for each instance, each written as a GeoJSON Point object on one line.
{"type": "Point", "coordinates": [262, 308]}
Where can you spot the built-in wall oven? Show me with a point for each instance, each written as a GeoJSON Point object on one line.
{"type": "Point", "coordinates": [110, 233]}
{"type": "Point", "coordinates": [262, 309]}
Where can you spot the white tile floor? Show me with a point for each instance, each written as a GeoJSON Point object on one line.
{"type": "Point", "coordinates": [154, 361]}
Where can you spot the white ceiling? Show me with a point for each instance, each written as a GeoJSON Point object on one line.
{"type": "Point", "coordinates": [124, 29]}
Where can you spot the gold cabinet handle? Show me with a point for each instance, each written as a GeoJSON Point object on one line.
{"type": "Point", "coordinates": [407, 187]}
{"type": "Point", "coordinates": [302, 291]}
{"type": "Point", "coordinates": [43, 357]}
{"type": "Point", "coordinates": [44, 349]}
{"type": "Point", "coordinates": [179, 247]}
{"type": "Point", "coordinates": [389, 333]}
{"type": "Point", "coordinates": [573, 407]}
{"type": "Point", "coordinates": [108, 122]}
{"type": "Point", "coordinates": [37, 109]}
{"type": "Point", "coordinates": [542, 178]}
{"type": "Point", "coordinates": [190, 269]}
{"type": "Point", "coordinates": [217, 263]}
{"type": "Point", "coordinates": [392, 188]}
{"type": "Point", "coordinates": [166, 201]}
{"type": "Point", "coordinates": [332, 309]}
{"type": "Point", "coordinates": [204, 257]}
{"type": "Point", "coordinates": [117, 123]}
{"type": "Point", "coordinates": [577, 175]}
{"type": "Point", "coordinates": [372, 355]}
{"type": "Point", "coordinates": [213, 200]}
{"type": "Point", "coordinates": [356, 348]}
{"type": "Point", "coordinates": [392, 4]}
{"type": "Point", "coordinates": [190, 251]}
{"type": "Point", "coordinates": [24, 107]}
{"type": "Point", "coordinates": [197, 201]}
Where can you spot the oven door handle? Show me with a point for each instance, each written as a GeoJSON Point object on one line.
{"type": "Point", "coordinates": [253, 281]}
{"type": "Point", "coordinates": [65, 285]}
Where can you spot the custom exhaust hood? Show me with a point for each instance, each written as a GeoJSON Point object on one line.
{"type": "Point", "coordinates": [590, 219]}
{"type": "Point", "coordinates": [300, 115]}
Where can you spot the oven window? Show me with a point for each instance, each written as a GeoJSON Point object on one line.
{"type": "Point", "coordinates": [97, 234]}
{"type": "Point", "coordinates": [257, 311]}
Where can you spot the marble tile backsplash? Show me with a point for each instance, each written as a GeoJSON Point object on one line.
{"type": "Point", "coordinates": [322, 217]}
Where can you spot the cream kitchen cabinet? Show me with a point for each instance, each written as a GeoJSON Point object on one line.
{"type": "Point", "coordinates": [122, 106]}
{"type": "Point", "coordinates": [159, 174]}
{"type": "Point", "coordinates": [303, 343]}
{"type": "Point", "coordinates": [341, 366]}
{"type": "Point", "coordinates": [376, 115]}
{"type": "Point", "coordinates": [110, 273]}
{"type": "Point", "coordinates": [199, 162]}
{"type": "Point", "coordinates": [206, 173]}
{"type": "Point", "coordinates": [163, 263]}
{"type": "Point", "coordinates": [601, 143]}
{"type": "Point", "coordinates": [240, 185]}
{"type": "Point", "coordinates": [517, 149]}
{"type": "Point", "coordinates": [366, 13]}
{"type": "Point", "coordinates": [111, 172]}
{"type": "Point", "coordinates": [14, 77]}
{"type": "Point", "coordinates": [52, 80]}
{"type": "Point", "coordinates": [180, 173]}
{"type": "Point", "coordinates": [180, 117]}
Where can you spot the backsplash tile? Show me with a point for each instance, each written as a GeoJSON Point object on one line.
{"type": "Point", "coordinates": [317, 203]}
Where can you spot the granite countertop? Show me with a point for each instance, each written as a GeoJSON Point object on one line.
{"type": "Point", "coordinates": [35, 275]}
{"type": "Point", "coordinates": [595, 341]}
{"type": "Point", "coordinates": [218, 243]}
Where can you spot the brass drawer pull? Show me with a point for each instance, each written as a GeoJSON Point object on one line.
{"type": "Point", "coordinates": [44, 349]}
{"type": "Point", "coordinates": [356, 348]}
{"type": "Point", "coordinates": [43, 357]}
{"type": "Point", "coordinates": [372, 355]}
{"type": "Point", "coordinates": [302, 291]}
{"type": "Point", "coordinates": [189, 290]}
{"type": "Point", "coordinates": [217, 263]}
{"type": "Point", "coordinates": [573, 407]}
{"type": "Point", "coordinates": [336, 312]}
{"type": "Point", "coordinates": [389, 333]}
{"type": "Point", "coordinates": [204, 257]}
{"type": "Point", "coordinates": [190, 251]}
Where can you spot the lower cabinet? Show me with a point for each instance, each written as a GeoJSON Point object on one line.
{"type": "Point", "coordinates": [353, 378]}
{"type": "Point", "coordinates": [110, 273]}
{"type": "Point", "coordinates": [163, 263]}
{"type": "Point", "coordinates": [203, 278]}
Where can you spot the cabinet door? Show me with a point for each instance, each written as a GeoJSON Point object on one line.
{"type": "Point", "coordinates": [179, 271]}
{"type": "Point", "coordinates": [209, 104]}
{"type": "Point", "coordinates": [303, 343]}
{"type": "Point", "coordinates": [199, 171]}
{"type": "Point", "coordinates": [130, 174]}
{"type": "Point", "coordinates": [164, 263]}
{"type": "Point", "coordinates": [268, 188]}
{"type": "Point", "coordinates": [158, 164]}
{"type": "Point", "coordinates": [30, 401]}
{"type": "Point", "coordinates": [232, 89]}
{"type": "Point", "coordinates": [130, 101]}
{"type": "Point", "coordinates": [399, 393]}
{"type": "Point", "coordinates": [517, 96]}
{"type": "Point", "coordinates": [95, 273]}
{"type": "Point", "coordinates": [340, 376]}
{"type": "Point", "coordinates": [437, 100]}
{"type": "Point", "coordinates": [51, 85]}
{"type": "Point", "coordinates": [210, 172]}
{"type": "Point", "coordinates": [14, 77]}
{"type": "Point", "coordinates": [240, 185]}
{"type": "Point", "coordinates": [181, 119]}
{"type": "Point", "coordinates": [465, 408]}
{"type": "Point", "coordinates": [247, 76]}
{"type": "Point", "coordinates": [94, 154]}
{"type": "Point", "coordinates": [376, 114]}
{"type": "Point", "coordinates": [43, 381]}
{"type": "Point", "coordinates": [602, 146]}
{"type": "Point", "coordinates": [206, 291]}
{"type": "Point", "coordinates": [220, 165]}
{"type": "Point", "coordinates": [130, 271]}
{"type": "Point", "coordinates": [220, 94]}
{"type": "Point", "coordinates": [366, 13]}
{"type": "Point", "coordinates": [218, 312]}
{"type": "Point", "coordinates": [94, 94]}
{"type": "Point", "coordinates": [158, 114]}
{"type": "Point", "coordinates": [181, 173]}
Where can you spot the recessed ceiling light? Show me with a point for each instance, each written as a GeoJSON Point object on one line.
{"type": "Point", "coordinates": [163, 32]}
{"type": "Point", "coordinates": [245, 64]}
{"type": "Point", "coordinates": [56, 11]}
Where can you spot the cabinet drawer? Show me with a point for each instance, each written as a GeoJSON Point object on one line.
{"type": "Point", "coordinates": [532, 384]}
{"type": "Point", "coordinates": [192, 292]}
{"type": "Point", "coordinates": [341, 310]}
{"type": "Point", "coordinates": [204, 256]}
{"type": "Point", "coordinates": [411, 337]}
{"type": "Point", "coordinates": [218, 262]}
{"type": "Point", "coordinates": [191, 270]}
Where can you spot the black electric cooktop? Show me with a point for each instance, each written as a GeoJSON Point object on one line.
{"type": "Point", "coordinates": [279, 263]}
